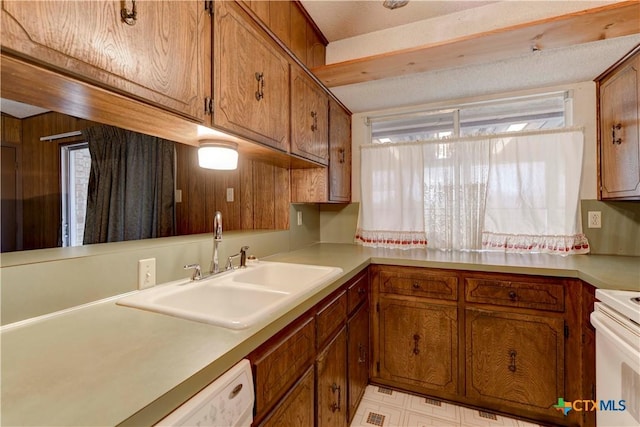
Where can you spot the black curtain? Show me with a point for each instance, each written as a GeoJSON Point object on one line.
{"type": "Point", "coordinates": [131, 186]}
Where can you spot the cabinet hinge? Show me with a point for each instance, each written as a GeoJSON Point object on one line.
{"type": "Point", "coordinates": [208, 6]}
{"type": "Point", "coordinates": [208, 106]}
{"type": "Point", "coordinates": [377, 366]}
{"type": "Point", "coordinates": [566, 331]}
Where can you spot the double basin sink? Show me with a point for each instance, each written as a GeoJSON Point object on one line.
{"type": "Point", "coordinates": [236, 299]}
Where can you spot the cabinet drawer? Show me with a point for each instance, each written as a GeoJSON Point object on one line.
{"type": "Point", "coordinates": [278, 369]}
{"type": "Point", "coordinates": [521, 294]}
{"type": "Point", "coordinates": [357, 292]}
{"type": "Point", "coordinates": [419, 283]}
{"type": "Point", "coordinates": [330, 318]}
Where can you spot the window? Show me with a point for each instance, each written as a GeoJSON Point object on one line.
{"type": "Point", "coordinates": [501, 175]}
{"type": "Point", "coordinates": [540, 112]}
{"type": "Point", "coordinates": [75, 166]}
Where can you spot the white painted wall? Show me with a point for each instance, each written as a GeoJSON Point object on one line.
{"type": "Point", "coordinates": [584, 115]}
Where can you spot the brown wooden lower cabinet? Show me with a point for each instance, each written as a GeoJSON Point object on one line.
{"type": "Point", "coordinates": [296, 409]}
{"type": "Point", "coordinates": [331, 383]}
{"type": "Point", "coordinates": [515, 359]}
{"type": "Point", "coordinates": [508, 343]}
{"type": "Point", "coordinates": [418, 343]}
{"type": "Point", "coordinates": [301, 374]}
{"type": "Point", "coordinates": [357, 357]}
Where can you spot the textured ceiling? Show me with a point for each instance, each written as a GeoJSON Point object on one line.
{"type": "Point", "coordinates": [348, 18]}
{"type": "Point", "coordinates": [535, 70]}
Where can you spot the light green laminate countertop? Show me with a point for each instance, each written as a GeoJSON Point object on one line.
{"type": "Point", "coordinates": [106, 364]}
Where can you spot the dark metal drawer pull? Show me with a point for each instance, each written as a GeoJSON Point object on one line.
{"type": "Point", "coordinates": [416, 285]}
{"type": "Point", "coordinates": [513, 295]}
{"type": "Point", "coordinates": [512, 363]}
{"type": "Point", "coordinates": [416, 340]}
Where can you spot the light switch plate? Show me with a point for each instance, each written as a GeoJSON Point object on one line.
{"type": "Point", "coordinates": [146, 273]}
{"type": "Point", "coordinates": [230, 194]}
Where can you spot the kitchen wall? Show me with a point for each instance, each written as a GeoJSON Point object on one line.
{"type": "Point", "coordinates": [620, 232]}
{"type": "Point", "coordinates": [42, 281]}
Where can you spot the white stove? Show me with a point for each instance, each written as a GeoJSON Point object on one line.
{"type": "Point", "coordinates": [617, 322]}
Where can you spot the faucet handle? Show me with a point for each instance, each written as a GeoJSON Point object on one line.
{"type": "Point", "coordinates": [230, 261]}
{"type": "Point", "coordinates": [197, 272]}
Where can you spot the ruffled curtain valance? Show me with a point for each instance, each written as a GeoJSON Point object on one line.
{"type": "Point", "coordinates": [511, 193]}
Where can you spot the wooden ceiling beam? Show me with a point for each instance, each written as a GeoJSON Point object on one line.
{"type": "Point", "coordinates": [614, 20]}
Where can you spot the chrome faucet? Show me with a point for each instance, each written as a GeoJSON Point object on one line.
{"type": "Point", "coordinates": [217, 238]}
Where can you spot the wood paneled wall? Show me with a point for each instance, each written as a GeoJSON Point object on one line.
{"type": "Point", "coordinates": [41, 177]}
{"type": "Point", "coordinates": [261, 195]}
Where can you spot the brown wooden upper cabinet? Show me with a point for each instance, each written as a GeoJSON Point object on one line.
{"type": "Point", "coordinates": [250, 79]}
{"type": "Point", "coordinates": [332, 184]}
{"type": "Point", "coordinates": [156, 59]}
{"type": "Point", "coordinates": [309, 118]}
{"type": "Point", "coordinates": [290, 23]}
{"type": "Point", "coordinates": [619, 129]}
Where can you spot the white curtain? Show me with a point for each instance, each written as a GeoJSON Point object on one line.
{"type": "Point", "coordinates": [455, 186]}
{"type": "Point", "coordinates": [511, 193]}
{"type": "Point", "coordinates": [533, 194]}
{"type": "Point", "coordinates": [392, 206]}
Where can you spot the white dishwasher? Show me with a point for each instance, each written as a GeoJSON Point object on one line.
{"type": "Point", "coordinates": [226, 402]}
{"type": "Point", "coordinates": [617, 322]}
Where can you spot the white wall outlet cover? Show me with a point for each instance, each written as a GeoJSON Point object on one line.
{"type": "Point", "coordinates": [299, 217]}
{"type": "Point", "coordinates": [178, 196]}
{"type": "Point", "coordinates": [230, 194]}
{"type": "Point", "coordinates": [594, 219]}
{"type": "Point", "coordinates": [146, 273]}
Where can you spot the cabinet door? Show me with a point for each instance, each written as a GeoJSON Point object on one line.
{"type": "Point", "coordinates": [309, 118]}
{"type": "Point", "coordinates": [331, 383]}
{"type": "Point", "coordinates": [280, 364]}
{"type": "Point", "coordinates": [358, 357]}
{"type": "Point", "coordinates": [155, 60]}
{"type": "Point", "coordinates": [251, 79]}
{"type": "Point", "coordinates": [418, 344]}
{"type": "Point", "coordinates": [339, 153]}
{"type": "Point", "coordinates": [515, 359]}
{"type": "Point", "coordinates": [296, 409]}
{"type": "Point", "coordinates": [620, 132]}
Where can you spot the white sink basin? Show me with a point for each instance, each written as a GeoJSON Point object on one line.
{"type": "Point", "coordinates": [236, 299]}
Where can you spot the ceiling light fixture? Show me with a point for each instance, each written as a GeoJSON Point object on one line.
{"type": "Point", "coordinates": [216, 154]}
{"type": "Point", "coordinates": [394, 4]}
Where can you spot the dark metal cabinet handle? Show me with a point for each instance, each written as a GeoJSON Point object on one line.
{"type": "Point", "coordinates": [614, 140]}
{"type": "Point", "coordinates": [314, 125]}
{"type": "Point", "coordinates": [362, 357]}
{"type": "Point", "coordinates": [362, 291]}
{"type": "Point", "coordinates": [416, 340]}
{"type": "Point", "coordinates": [260, 91]}
{"type": "Point", "coordinates": [513, 295]}
{"type": "Point", "coordinates": [336, 406]}
{"type": "Point", "coordinates": [415, 285]}
{"type": "Point", "coordinates": [129, 17]}
{"type": "Point", "coordinates": [512, 362]}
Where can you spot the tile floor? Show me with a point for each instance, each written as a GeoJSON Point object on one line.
{"type": "Point", "coordinates": [389, 408]}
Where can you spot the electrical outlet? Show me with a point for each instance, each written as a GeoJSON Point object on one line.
{"type": "Point", "coordinates": [230, 194]}
{"type": "Point", "coordinates": [146, 273]}
{"type": "Point", "coordinates": [594, 219]}
{"type": "Point", "coordinates": [299, 217]}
